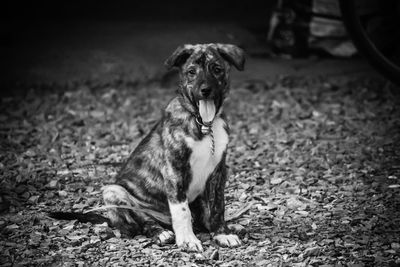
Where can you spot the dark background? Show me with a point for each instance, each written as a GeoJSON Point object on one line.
{"type": "Point", "coordinates": [61, 42]}
{"type": "Point", "coordinates": [150, 9]}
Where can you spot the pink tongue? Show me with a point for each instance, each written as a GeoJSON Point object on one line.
{"type": "Point", "coordinates": [207, 110]}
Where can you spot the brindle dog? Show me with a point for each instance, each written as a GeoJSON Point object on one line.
{"type": "Point", "coordinates": [176, 175]}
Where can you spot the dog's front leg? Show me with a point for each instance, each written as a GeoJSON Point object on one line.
{"type": "Point", "coordinates": [179, 207]}
{"type": "Point", "coordinates": [210, 208]}
{"type": "Point", "coordinates": [182, 225]}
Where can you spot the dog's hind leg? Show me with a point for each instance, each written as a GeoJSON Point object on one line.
{"type": "Point", "coordinates": [126, 220]}
{"type": "Point", "coordinates": [133, 217]}
{"type": "Point", "coordinates": [159, 234]}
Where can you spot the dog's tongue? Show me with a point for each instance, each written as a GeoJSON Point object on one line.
{"type": "Point", "coordinates": [207, 110]}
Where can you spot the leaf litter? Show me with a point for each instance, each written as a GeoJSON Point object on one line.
{"type": "Point", "coordinates": [313, 175]}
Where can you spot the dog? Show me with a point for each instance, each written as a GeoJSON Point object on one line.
{"type": "Point", "coordinates": [175, 178]}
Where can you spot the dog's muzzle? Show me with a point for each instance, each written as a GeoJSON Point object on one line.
{"type": "Point", "coordinates": [206, 91]}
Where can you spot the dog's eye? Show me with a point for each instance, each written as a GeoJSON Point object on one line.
{"type": "Point", "coordinates": [217, 70]}
{"type": "Point", "coordinates": [192, 72]}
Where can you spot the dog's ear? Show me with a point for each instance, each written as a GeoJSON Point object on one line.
{"type": "Point", "coordinates": [179, 57]}
{"type": "Point", "coordinates": [233, 54]}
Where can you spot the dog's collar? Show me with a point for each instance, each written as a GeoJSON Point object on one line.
{"type": "Point", "coordinates": [206, 129]}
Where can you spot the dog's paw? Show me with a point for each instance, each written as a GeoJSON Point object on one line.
{"type": "Point", "coordinates": [165, 237]}
{"type": "Point", "coordinates": [189, 242]}
{"type": "Point", "coordinates": [224, 240]}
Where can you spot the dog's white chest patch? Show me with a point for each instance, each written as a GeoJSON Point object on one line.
{"type": "Point", "coordinates": [202, 160]}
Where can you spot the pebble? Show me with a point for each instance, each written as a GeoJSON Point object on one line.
{"type": "Point", "coordinates": [62, 193]}
{"type": "Point", "coordinates": [53, 184]}
{"type": "Point", "coordinates": [275, 181]}
{"type": "Point", "coordinates": [199, 257]}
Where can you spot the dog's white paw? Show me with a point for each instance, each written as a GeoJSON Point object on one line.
{"type": "Point", "coordinates": [189, 242]}
{"type": "Point", "coordinates": [227, 240]}
{"type": "Point", "coordinates": [165, 237]}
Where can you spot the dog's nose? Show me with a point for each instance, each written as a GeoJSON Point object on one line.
{"type": "Point", "coordinates": [206, 91]}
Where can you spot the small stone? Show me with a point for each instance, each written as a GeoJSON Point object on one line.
{"type": "Point", "coordinates": [313, 251]}
{"type": "Point", "coordinates": [95, 240]}
{"type": "Point", "coordinates": [63, 172]}
{"type": "Point", "coordinates": [275, 180]}
{"type": "Point", "coordinates": [49, 194]}
{"type": "Point", "coordinates": [12, 226]}
{"type": "Point", "coordinates": [26, 195]}
{"type": "Point", "coordinates": [395, 246]}
{"type": "Point", "coordinates": [53, 184]}
{"type": "Point", "coordinates": [245, 221]}
{"type": "Point", "coordinates": [62, 193]}
{"type": "Point", "coordinates": [314, 226]}
{"type": "Point", "coordinates": [302, 212]}
{"type": "Point", "coordinates": [243, 197]}
{"type": "Point", "coordinates": [199, 257]}
{"type": "Point", "coordinates": [30, 153]}
{"type": "Point", "coordinates": [33, 199]}
{"type": "Point", "coordinates": [97, 114]}
{"type": "Point", "coordinates": [78, 206]}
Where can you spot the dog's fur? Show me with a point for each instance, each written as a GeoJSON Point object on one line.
{"type": "Point", "coordinates": [177, 173]}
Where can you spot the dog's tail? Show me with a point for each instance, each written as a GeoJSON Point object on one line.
{"type": "Point", "coordinates": [91, 217]}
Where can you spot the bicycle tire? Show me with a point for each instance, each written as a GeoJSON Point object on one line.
{"type": "Point", "coordinates": [364, 44]}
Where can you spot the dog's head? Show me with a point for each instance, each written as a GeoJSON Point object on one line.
{"type": "Point", "coordinates": [204, 74]}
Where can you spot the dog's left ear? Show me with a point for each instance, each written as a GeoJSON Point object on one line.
{"type": "Point", "coordinates": [179, 56]}
{"type": "Point", "coordinates": [233, 54]}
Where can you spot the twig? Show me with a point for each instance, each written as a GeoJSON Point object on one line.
{"type": "Point", "coordinates": [149, 212]}
{"type": "Point", "coordinates": [112, 207]}
{"type": "Point", "coordinates": [239, 212]}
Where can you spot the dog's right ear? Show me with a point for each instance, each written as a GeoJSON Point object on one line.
{"type": "Point", "coordinates": [233, 54]}
{"type": "Point", "coordinates": [179, 57]}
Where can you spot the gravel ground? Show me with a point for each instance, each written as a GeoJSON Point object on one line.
{"type": "Point", "coordinates": [316, 160]}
